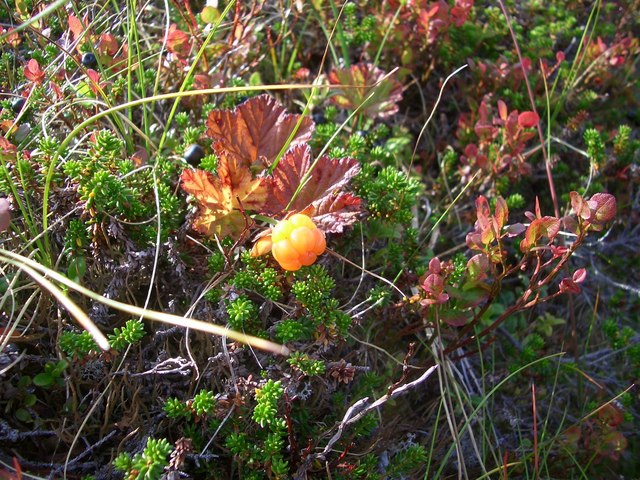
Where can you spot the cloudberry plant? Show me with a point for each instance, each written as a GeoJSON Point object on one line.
{"type": "Point", "coordinates": [297, 242]}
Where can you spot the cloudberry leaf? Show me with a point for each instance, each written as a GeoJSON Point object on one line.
{"type": "Point", "coordinates": [332, 214]}
{"type": "Point", "coordinates": [322, 197]}
{"type": "Point", "coordinates": [256, 130]}
{"type": "Point", "coordinates": [362, 80]}
{"type": "Point", "coordinates": [223, 197]}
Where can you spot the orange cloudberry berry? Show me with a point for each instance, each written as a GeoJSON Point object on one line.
{"type": "Point", "coordinates": [296, 241]}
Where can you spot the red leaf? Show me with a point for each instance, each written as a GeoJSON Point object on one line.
{"type": "Point", "coordinates": [366, 86]}
{"type": "Point", "coordinates": [178, 42]}
{"type": "Point", "coordinates": [603, 206]}
{"type": "Point", "coordinates": [257, 130]}
{"type": "Point", "coordinates": [76, 26]}
{"type": "Point", "coordinates": [528, 119]}
{"type": "Point", "coordinates": [483, 127]}
{"type": "Point", "coordinates": [580, 275]}
{"type": "Point", "coordinates": [610, 415]}
{"type": "Point", "coordinates": [108, 44]}
{"type": "Point", "coordinates": [94, 81]}
{"type": "Point", "coordinates": [33, 72]}
{"type": "Point", "coordinates": [330, 208]}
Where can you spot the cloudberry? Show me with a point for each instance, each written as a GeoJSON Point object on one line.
{"type": "Point", "coordinates": [297, 242]}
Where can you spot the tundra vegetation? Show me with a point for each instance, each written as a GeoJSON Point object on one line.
{"type": "Point", "coordinates": [289, 239]}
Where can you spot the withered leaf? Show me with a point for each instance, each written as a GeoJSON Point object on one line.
{"type": "Point", "coordinates": [361, 81]}
{"type": "Point", "coordinates": [257, 129]}
{"type": "Point", "coordinates": [224, 198]}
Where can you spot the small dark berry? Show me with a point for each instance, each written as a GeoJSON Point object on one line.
{"type": "Point", "coordinates": [193, 154]}
{"type": "Point", "coordinates": [318, 118]}
{"type": "Point", "coordinates": [17, 104]}
{"type": "Point", "coordinates": [89, 60]}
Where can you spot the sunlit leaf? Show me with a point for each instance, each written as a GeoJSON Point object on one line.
{"type": "Point", "coordinates": [322, 196]}
{"type": "Point", "coordinates": [361, 81]}
{"type": "Point", "coordinates": [257, 130]}
{"type": "Point", "coordinates": [178, 42]}
{"type": "Point", "coordinates": [33, 72]}
{"type": "Point", "coordinates": [540, 227]}
{"type": "Point", "coordinates": [225, 198]}
{"type": "Point", "coordinates": [603, 206]}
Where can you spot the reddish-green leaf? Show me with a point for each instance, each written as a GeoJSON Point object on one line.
{"type": "Point", "coordinates": [257, 129]}
{"type": "Point", "coordinates": [178, 42]}
{"type": "Point", "coordinates": [362, 81]}
{"type": "Point", "coordinates": [579, 205]}
{"type": "Point", "coordinates": [8, 150]}
{"type": "Point", "coordinates": [540, 227]}
{"type": "Point", "coordinates": [502, 214]}
{"type": "Point", "coordinates": [478, 266]}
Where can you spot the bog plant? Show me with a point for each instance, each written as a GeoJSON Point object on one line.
{"type": "Point", "coordinates": [278, 171]}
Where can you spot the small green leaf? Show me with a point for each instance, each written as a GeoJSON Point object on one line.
{"type": "Point", "coordinates": [29, 400]}
{"type": "Point", "coordinates": [44, 379]}
{"type": "Point", "coordinates": [23, 415]}
{"type": "Point", "coordinates": [210, 14]}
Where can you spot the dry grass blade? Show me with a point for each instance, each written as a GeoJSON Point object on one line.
{"type": "Point", "coordinates": [31, 267]}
